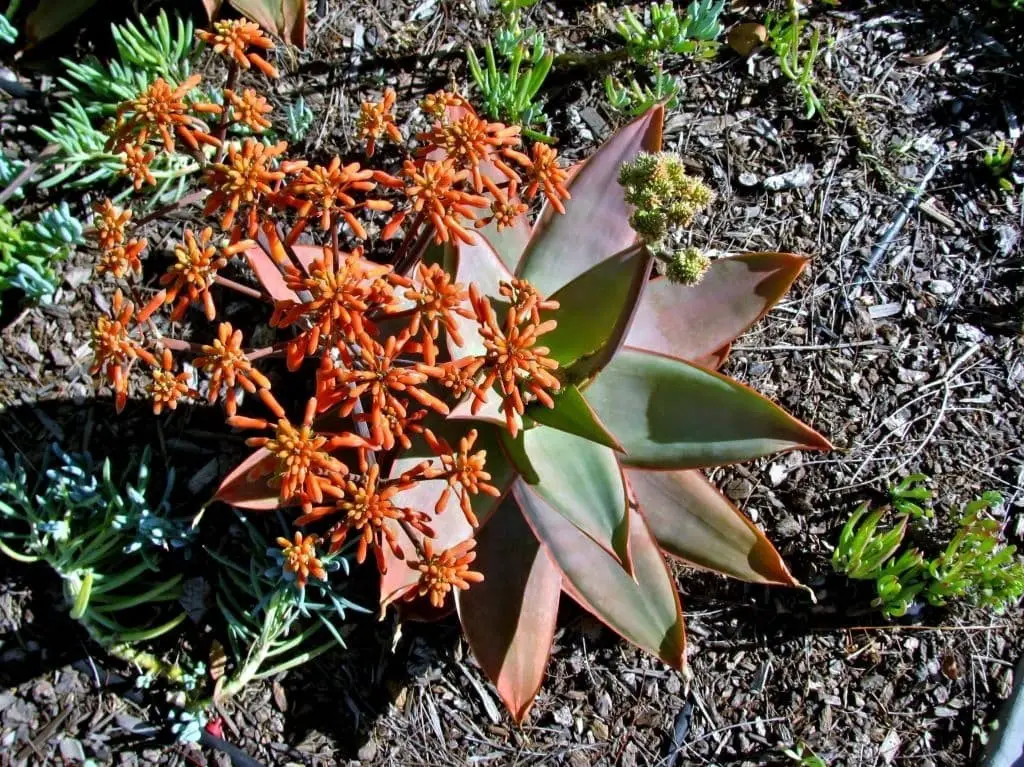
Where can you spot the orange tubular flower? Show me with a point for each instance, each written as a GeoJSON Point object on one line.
{"type": "Point", "coordinates": [440, 573]}
{"type": "Point", "coordinates": [506, 208]}
{"type": "Point", "coordinates": [300, 558]}
{"type": "Point", "coordinates": [233, 38]}
{"type": "Point", "coordinates": [544, 174]}
{"type": "Point", "coordinates": [162, 110]}
{"type": "Point", "coordinates": [305, 466]}
{"type": "Point", "coordinates": [464, 472]}
{"type": "Point", "coordinates": [113, 348]}
{"type": "Point", "coordinates": [367, 509]}
{"type": "Point", "coordinates": [377, 121]}
{"type": "Point", "coordinates": [459, 377]}
{"type": "Point", "coordinates": [525, 299]}
{"type": "Point", "coordinates": [242, 181]}
{"type": "Point", "coordinates": [136, 165]}
{"type": "Point", "coordinates": [438, 102]}
{"type": "Point", "coordinates": [249, 109]}
{"type": "Point", "coordinates": [328, 192]}
{"type": "Point", "coordinates": [469, 141]}
{"type": "Point", "coordinates": [438, 300]}
{"type": "Point", "coordinates": [432, 191]}
{"type": "Point", "coordinates": [122, 259]}
{"type": "Point", "coordinates": [227, 365]}
{"type": "Point", "coordinates": [195, 270]}
{"type": "Point", "coordinates": [375, 373]}
{"type": "Point", "coordinates": [512, 359]}
{"type": "Point", "coordinates": [338, 301]}
{"type": "Point", "coordinates": [166, 388]}
{"type": "Point", "coordinates": [110, 224]}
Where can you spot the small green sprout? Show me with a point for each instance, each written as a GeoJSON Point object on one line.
{"type": "Point", "coordinates": [509, 93]}
{"type": "Point", "coordinates": [86, 526]}
{"type": "Point", "coordinates": [300, 119]}
{"type": "Point", "coordinates": [999, 161]}
{"type": "Point", "coordinates": [906, 495]}
{"type": "Point", "coordinates": [785, 31]}
{"type": "Point", "coordinates": [803, 755]}
{"type": "Point", "coordinates": [693, 34]}
{"type": "Point", "coordinates": [635, 99]}
{"type": "Point", "coordinates": [687, 266]}
{"type": "Point", "coordinates": [975, 565]}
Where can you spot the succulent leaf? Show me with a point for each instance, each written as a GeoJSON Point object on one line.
{"type": "Point", "coordinates": [595, 310]}
{"type": "Point", "coordinates": [269, 275]}
{"type": "Point", "coordinates": [669, 414]}
{"type": "Point", "coordinates": [698, 323]}
{"type": "Point", "coordinates": [509, 618]}
{"type": "Point", "coordinates": [247, 486]}
{"type": "Point", "coordinates": [596, 223]}
{"type": "Point", "coordinates": [581, 480]}
{"type": "Point", "coordinates": [572, 414]}
{"type": "Point", "coordinates": [481, 265]}
{"type": "Point", "coordinates": [450, 528]}
{"type": "Point", "coordinates": [643, 609]}
{"type": "Point", "coordinates": [691, 520]}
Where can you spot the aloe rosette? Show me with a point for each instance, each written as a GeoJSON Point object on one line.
{"type": "Point", "coordinates": [596, 490]}
{"type": "Point", "coordinates": [600, 487]}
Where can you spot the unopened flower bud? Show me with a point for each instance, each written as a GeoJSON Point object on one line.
{"type": "Point", "coordinates": [687, 266]}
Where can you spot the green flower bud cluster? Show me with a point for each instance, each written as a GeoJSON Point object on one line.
{"type": "Point", "coordinates": [687, 266]}
{"type": "Point", "coordinates": [664, 196]}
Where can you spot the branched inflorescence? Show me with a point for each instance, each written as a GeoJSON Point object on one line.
{"type": "Point", "coordinates": [383, 348]}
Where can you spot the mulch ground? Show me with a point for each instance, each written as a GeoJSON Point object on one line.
{"type": "Point", "coordinates": [913, 366]}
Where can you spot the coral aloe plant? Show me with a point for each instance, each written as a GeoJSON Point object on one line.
{"type": "Point", "coordinates": [521, 411]}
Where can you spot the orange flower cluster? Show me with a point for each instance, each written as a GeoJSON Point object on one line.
{"type": "Point", "coordinates": [233, 39]}
{"type": "Point", "coordinates": [377, 121]}
{"type": "Point", "coordinates": [300, 558]}
{"type": "Point", "coordinates": [381, 336]}
{"type": "Point", "coordinates": [119, 254]}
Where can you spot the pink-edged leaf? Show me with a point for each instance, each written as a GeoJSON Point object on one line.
{"type": "Point", "coordinates": [509, 618]}
{"type": "Point", "coordinates": [307, 255]}
{"type": "Point", "coordinates": [581, 480]}
{"type": "Point", "coordinates": [478, 264]}
{"type": "Point", "coordinates": [247, 486]}
{"type": "Point", "coordinates": [691, 520]}
{"type": "Point", "coordinates": [698, 322]}
{"type": "Point", "coordinates": [285, 18]}
{"type": "Point", "coordinates": [571, 413]}
{"type": "Point", "coordinates": [669, 414]}
{"type": "Point", "coordinates": [589, 331]}
{"type": "Point", "coordinates": [450, 525]}
{"type": "Point", "coordinates": [269, 275]}
{"type": "Point", "coordinates": [714, 360]}
{"type": "Point", "coordinates": [596, 222]}
{"type": "Point", "coordinates": [450, 528]}
{"type": "Point", "coordinates": [644, 609]}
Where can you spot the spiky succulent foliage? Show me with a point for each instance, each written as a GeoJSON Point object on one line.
{"type": "Point", "coordinates": [103, 536]}
{"type": "Point", "coordinates": [594, 441]}
{"type": "Point", "coordinates": [28, 250]}
{"type": "Point", "coordinates": [146, 52]}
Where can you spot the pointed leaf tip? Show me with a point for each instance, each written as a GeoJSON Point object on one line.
{"type": "Point", "coordinates": [698, 323]}
{"type": "Point", "coordinates": [669, 414]}
{"type": "Point", "coordinates": [509, 618]}
{"type": "Point", "coordinates": [691, 520]}
{"type": "Point", "coordinates": [643, 608]}
{"type": "Point", "coordinates": [596, 222]}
